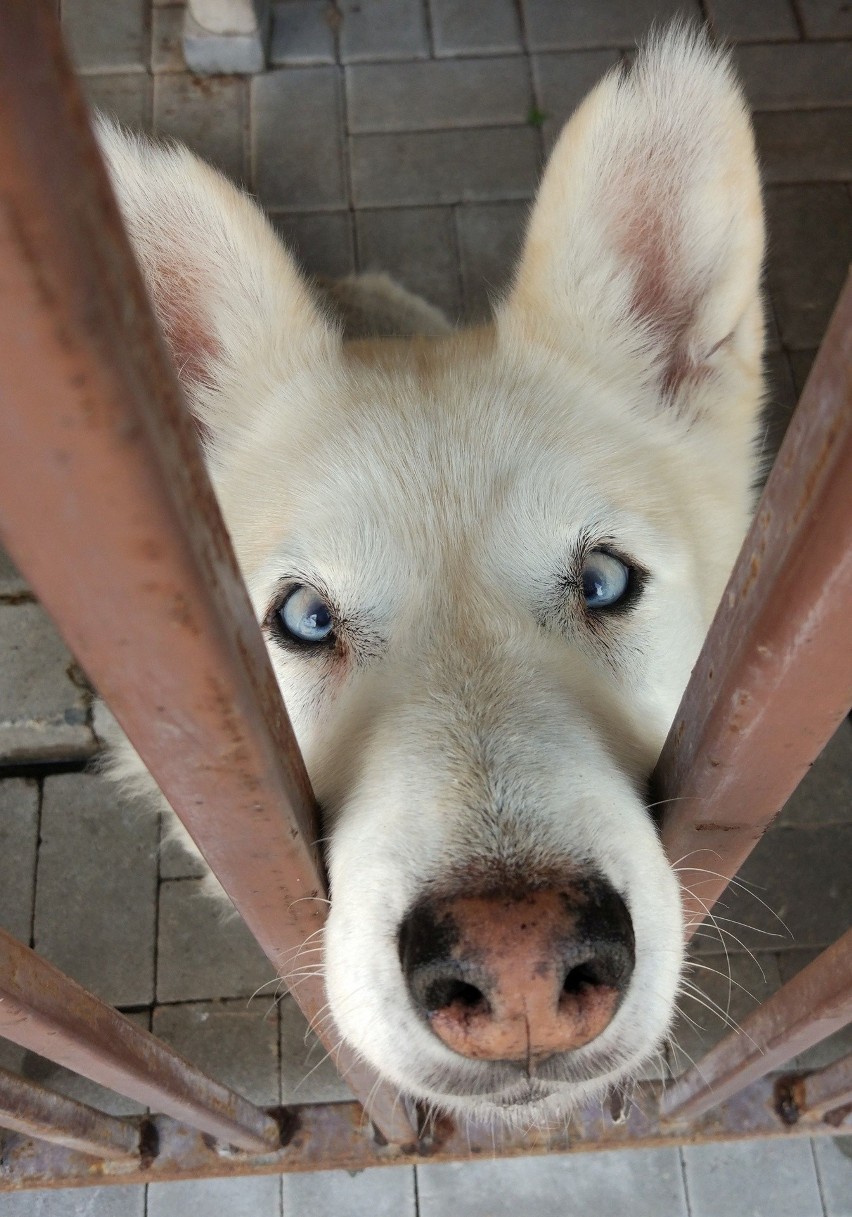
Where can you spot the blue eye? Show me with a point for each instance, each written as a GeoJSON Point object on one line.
{"type": "Point", "coordinates": [305, 616]}
{"type": "Point", "coordinates": [605, 579]}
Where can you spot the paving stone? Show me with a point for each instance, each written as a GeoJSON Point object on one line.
{"type": "Point", "coordinates": [63, 1081]}
{"type": "Point", "coordinates": [438, 94]}
{"type": "Point", "coordinates": [562, 81]}
{"type": "Point", "coordinates": [201, 953]}
{"type": "Point", "coordinates": [416, 246]}
{"type": "Point", "coordinates": [308, 1074]}
{"type": "Point", "coordinates": [208, 115]}
{"type": "Point", "coordinates": [76, 1202]}
{"type": "Point", "coordinates": [796, 75]}
{"type": "Point", "coordinates": [382, 29]}
{"type": "Point", "coordinates": [106, 37]}
{"type": "Point", "coordinates": [44, 702]}
{"type": "Point", "coordinates": [490, 237]}
{"type": "Point", "coordinates": [647, 1184]}
{"type": "Point", "coordinates": [177, 862]}
{"type": "Point", "coordinates": [781, 398]}
{"type": "Point", "coordinates": [805, 145]}
{"type": "Point", "coordinates": [126, 97]}
{"type": "Point", "coordinates": [757, 21]}
{"type": "Point", "coordinates": [302, 33]}
{"type": "Point", "coordinates": [253, 1197]}
{"type": "Point", "coordinates": [826, 18]}
{"type": "Point", "coordinates": [236, 1042]}
{"type": "Point", "coordinates": [834, 1168]}
{"type": "Point", "coordinates": [444, 166]}
{"type": "Point", "coordinates": [790, 963]}
{"type": "Point", "coordinates": [321, 242]}
{"type": "Point", "coordinates": [752, 1177]}
{"type": "Point", "coordinates": [717, 1009]}
{"type": "Point", "coordinates": [810, 247]}
{"type": "Point", "coordinates": [12, 583]}
{"type": "Point", "coordinates": [167, 39]}
{"type": "Point", "coordinates": [380, 1192]}
{"type": "Point", "coordinates": [802, 875]}
{"type": "Point", "coordinates": [801, 363]}
{"type": "Point", "coordinates": [462, 28]}
{"type": "Point", "coordinates": [212, 53]}
{"type": "Point", "coordinates": [95, 918]}
{"type": "Point", "coordinates": [298, 139]}
{"type": "Point", "coordinates": [825, 794]}
{"type": "Point", "coordinates": [19, 800]}
{"type": "Point", "coordinates": [552, 25]}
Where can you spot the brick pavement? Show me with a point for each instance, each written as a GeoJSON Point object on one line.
{"type": "Point", "coordinates": [408, 136]}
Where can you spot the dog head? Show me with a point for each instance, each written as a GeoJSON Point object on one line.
{"type": "Point", "coordinates": [485, 565]}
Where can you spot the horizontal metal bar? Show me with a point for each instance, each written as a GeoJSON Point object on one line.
{"type": "Point", "coordinates": [813, 1005]}
{"type": "Point", "coordinates": [334, 1137]}
{"type": "Point", "coordinates": [46, 1012]}
{"type": "Point", "coordinates": [107, 508]}
{"type": "Point", "coordinates": [774, 678]}
{"type": "Point", "coordinates": [823, 1095]}
{"type": "Point", "coordinates": [33, 1111]}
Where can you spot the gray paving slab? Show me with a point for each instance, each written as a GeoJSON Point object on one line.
{"type": "Point", "coordinates": [44, 701]}
{"type": "Point", "coordinates": [796, 75]}
{"type": "Point", "coordinates": [208, 114]}
{"type": "Point", "coordinates": [177, 862]}
{"type": "Point", "coordinates": [109, 37]}
{"type": "Point", "coordinates": [297, 117]}
{"type": "Point", "coordinates": [95, 917]}
{"type": "Point", "coordinates": [462, 28]}
{"type": "Point", "coordinates": [19, 816]}
{"type": "Point", "coordinates": [167, 39]}
{"type": "Point", "coordinates": [127, 97]}
{"type": "Point", "coordinates": [825, 795]}
{"type": "Point", "coordinates": [552, 25]}
{"type": "Point", "coordinates": [430, 167]}
{"type": "Point", "coordinates": [757, 21]}
{"type": "Point", "coordinates": [790, 963]}
{"type": "Point", "coordinates": [12, 583]}
{"type": "Point", "coordinates": [381, 1192]}
{"type": "Point", "coordinates": [322, 242]}
{"type": "Point", "coordinates": [438, 94]}
{"type": "Point", "coordinates": [236, 1042]}
{"type": "Point", "coordinates": [202, 953]}
{"type": "Point", "coordinates": [801, 363]}
{"type": "Point", "coordinates": [259, 1197]}
{"type": "Point", "coordinates": [563, 80]}
{"type": "Point", "coordinates": [834, 1170]}
{"type": "Point", "coordinates": [752, 1179]}
{"type": "Point", "coordinates": [647, 1184]}
{"type": "Point", "coordinates": [302, 33]}
{"type": "Point", "coordinates": [77, 1202]}
{"type": "Point", "coordinates": [489, 237]}
{"type": "Point", "coordinates": [382, 29]}
{"type": "Point", "coordinates": [308, 1074]}
{"type": "Point", "coordinates": [810, 233]}
{"type": "Point", "coordinates": [416, 245]}
{"type": "Point", "coordinates": [781, 398]}
{"type": "Point", "coordinates": [826, 18]}
{"type": "Point", "coordinates": [805, 145]}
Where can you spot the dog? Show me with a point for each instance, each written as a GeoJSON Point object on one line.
{"type": "Point", "coordinates": [484, 562]}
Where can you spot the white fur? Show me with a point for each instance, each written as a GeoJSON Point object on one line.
{"type": "Point", "coordinates": [436, 490]}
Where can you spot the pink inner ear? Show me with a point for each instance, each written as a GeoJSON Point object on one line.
{"type": "Point", "coordinates": [178, 299]}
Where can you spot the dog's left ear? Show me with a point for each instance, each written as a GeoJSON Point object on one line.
{"type": "Point", "coordinates": [646, 240]}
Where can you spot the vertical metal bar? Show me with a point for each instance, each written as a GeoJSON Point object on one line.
{"type": "Point", "coordinates": [814, 1004]}
{"type": "Point", "coordinates": [45, 1011]}
{"type": "Point", "coordinates": [107, 508]}
{"type": "Point", "coordinates": [774, 678]}
{"type": "Point", "coordinates": [30, 1109]}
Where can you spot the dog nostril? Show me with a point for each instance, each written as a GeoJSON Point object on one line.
{"type": "Point", "coordinates": [441, 994]}
{"type": "Point", "coordinates": [581, 977]}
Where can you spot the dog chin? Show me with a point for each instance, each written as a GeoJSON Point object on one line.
{"type": "Point", "coordinates": [529, 1103]}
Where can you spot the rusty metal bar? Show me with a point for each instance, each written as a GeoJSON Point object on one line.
{"type": "Point", "coordinates": [45, 1011]}
{"type": "Point", "coordinates": [823, 1095]}
{"type": "Point", "coordinates": [774, 678]}
{"type": "Point", "coordinates": [333, 1137]}
{"type": "Point", "coordinates": [814, 1004]}
{"type": "Point", "coordinates": [106, 507]}
{"type": "Point", "coordinates": [35, 1112]}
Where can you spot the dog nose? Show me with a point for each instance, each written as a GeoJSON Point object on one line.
{"type": "Point", "coordinates": [519, 976]}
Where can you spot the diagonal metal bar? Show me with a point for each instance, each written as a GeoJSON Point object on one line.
{"type": "Point", "coordinates": [774, 679]}
{"type": "Point", "coordinates": [106, 507]}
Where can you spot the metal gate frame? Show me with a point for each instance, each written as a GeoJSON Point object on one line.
{"type": "Point", "coordinates": [106, 506]}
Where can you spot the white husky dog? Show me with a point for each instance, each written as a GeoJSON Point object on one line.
{"type": "Point", "coordinates": [484, 564]}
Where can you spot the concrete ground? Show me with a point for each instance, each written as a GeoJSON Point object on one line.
{"type": "Point", "coordinates": [407, 136]}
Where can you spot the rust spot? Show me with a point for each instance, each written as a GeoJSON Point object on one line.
{"type": "Point", "coordinates": [712, 826]}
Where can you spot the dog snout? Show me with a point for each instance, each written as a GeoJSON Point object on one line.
{"type": "Point", "coordinates": [519, 976]}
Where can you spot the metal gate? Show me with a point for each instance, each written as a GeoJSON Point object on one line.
{"type": "Point", "coordinates": [94, 431]}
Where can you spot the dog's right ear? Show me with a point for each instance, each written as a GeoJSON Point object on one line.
{"type": "Point", "coordinates": [235, 312]}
